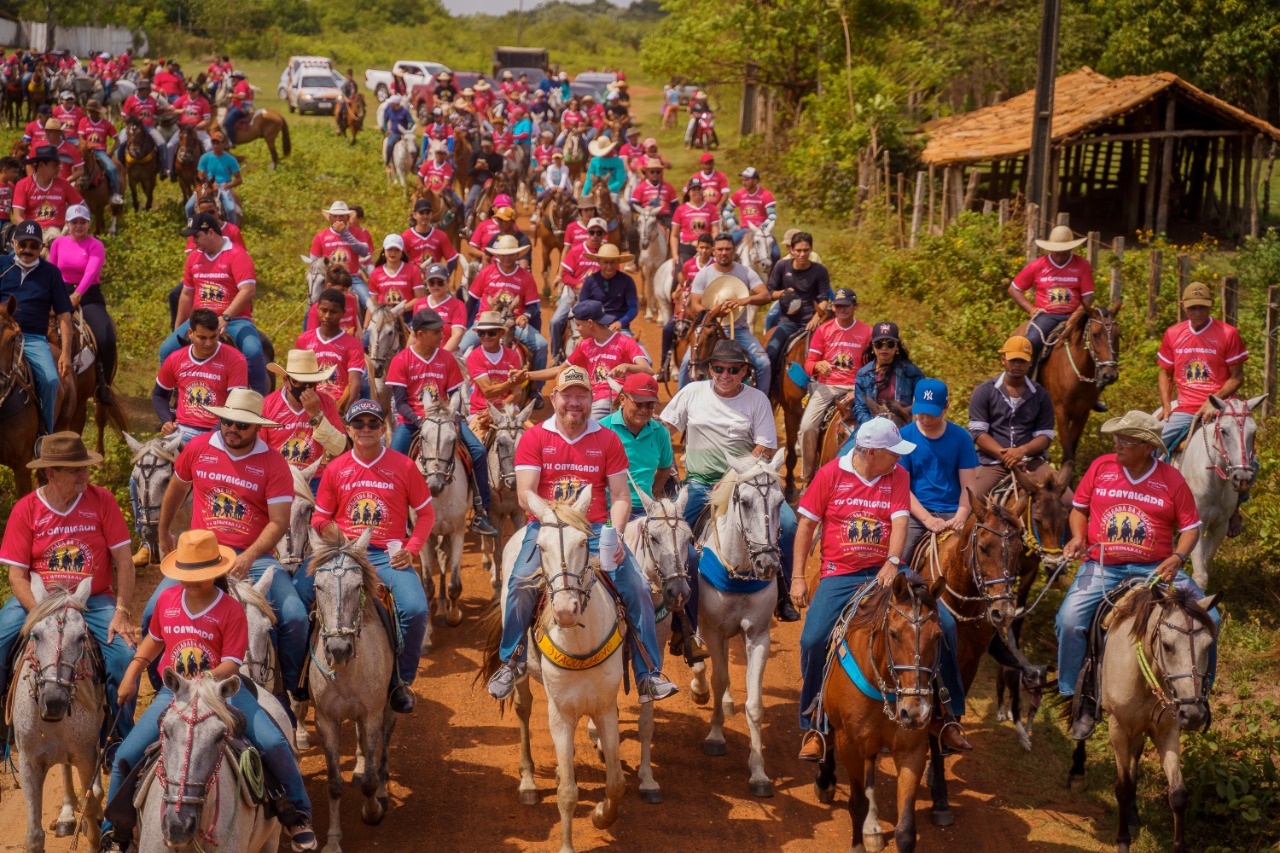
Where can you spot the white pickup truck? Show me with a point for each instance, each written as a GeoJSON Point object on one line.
{"type": "Point", "coordinates": [379, 82]}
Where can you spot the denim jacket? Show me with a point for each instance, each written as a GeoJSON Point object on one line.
{"type": "Point", "coordinates": [906, 375]}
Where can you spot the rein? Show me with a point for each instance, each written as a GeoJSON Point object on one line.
{"type": "Point", "coordinates": [755, 550]}
{"type": "Point", "coordinates": [148, 463]}
{"type": "Point", "coordinates": [192, 718]}
{"type": "Point", "coordinates": [1161, 681]}
{"type": "Point", "coordinates": [1109, 327]}
{"type": "Point", "coordinates": [1008, 558]}
{"type": "Point", "coordinates": [671, 524]}
{"type": "Point", "coordinates": [444, 460]}
{"type": "Point", "coordinates": [891, 689]}
{"type": "Point", "coordinates": [338, 570]}
{"type": "Point", "coordinates": [9, 380]}
{"type": "Point", "coordinates": [581, 586]}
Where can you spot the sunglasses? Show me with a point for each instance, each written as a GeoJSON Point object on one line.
{"type": "Point", "coordinates": [435, 282]}
{"type": "Point", "coordinates": [885, 345]}
{"type": "Point", "coordinates": [303, 386]}
{"type": "Point", "coordinates": [639, 405]}
{"type": "Point", "coordinates": [488, 333]}
{"type": "Point", "coordinates": [718, 369]}
{"type": "Point", "coordinates": [366, 423]}
{"type": "Point", "coordinates": [237, 425]}
{"type": "Point", "coordinates": [30, 245]}
{"type": "Point", "coordinates": [596, 232]}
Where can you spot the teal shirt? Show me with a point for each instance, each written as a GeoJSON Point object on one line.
{"type": "Point", "coordinates": [646, 452]}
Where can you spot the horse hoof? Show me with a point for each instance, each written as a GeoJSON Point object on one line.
{"type": "Point", "coordinates": [824, 795]}
{"type": "Point", "coordinates": [940, 817]}
{"type": "Point", "coordinates": [762, 789]}
{"type": "Point", "coordinates": [528, 798]}
{"type": "Point", "coordinates": [1078, 782]}
{"type": "Point", "coordinates": [872, 843]}
{"type": "Point", "coordinates": [454, 618]}
{"type": "Point", "coordinates": [357, 779]}
{"type": "Point", "coordinates": [64, 828]}
{"type": "Point", "coordinates": [332, 847]}
{"type": "Point", "coordinates": [373, 811]}
{"type": "Point", "coordinates": [601, 820]}
{"type": "Point", "coordinates": [1002, 716]}
{"type": "Point", "coordinates": [653, 797]}
{"type": "Point", "coordinates": [713, 747]}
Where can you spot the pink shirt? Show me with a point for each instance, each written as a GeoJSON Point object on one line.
{"type": "Point", "coordinates": [358, 495]}
{"type": "Point", "coordinates": [202, 383]}
{"type": "Point", "coordinates": [1134, 521]}
{"type": "Point", "coordinates": [496, 367]}
{"type": "Point", "coordinates": [438, 376]}
{"type": "Point", "coordinates": [598, 359]}
{"type": "Point", "coordinates": [199, 642]}
{"type": "Point", "coordinates": [842, 347]}
{"type": "Point", "coordinates": [855, 515]}
{"type": "Point", "coordinates": [434, 243]}
{"type": "Point", "coordinates": [566, 466]}
{"type": "Point", "coordinates": [1200, 361]}
{"type": "Point", "coordinates": [231, 494]}
{"type": "Point", "coordinates": [80, 261]}
{"type": "Point", "coordinates": [294, 439]}
{"type": "Point", "coordinates": [66, 547]}
{"type": "Point", "coordinates": [392, 287]}
{"type": "Point", "coordinates": [342, 351]}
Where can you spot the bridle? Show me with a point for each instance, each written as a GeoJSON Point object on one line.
{"type": "Point", "coordinates": [9, 379]}
{"type": "Point", "coordinates": [1108, 324]}
{"type": "Point", "coordinates": [192, 717]}
{"type": "Point", "coordinates": [580, 583]}
{"type": "Point", "coordinates": [442, 462]}
{"type": "Point", "coordinates": [381, 362]}
{"type": "Point", "coordinates": [670, 526]}
{"type": "Point", "coordinates": [1160, 680]}
{"type": "Point", "coordinates": [150, 461]}
{"type": "Point", "coordinates": [891, 689]}
{"type": "Point", "coordinates": [756, 550]}
{"type": "Point", "coordinates": [1239, 415]}
{"type": "Point", "coordinates": [339, 569]}
{"type": "Point", "coordinates": [496, 459]}
{"type": "Point", "coordinates": [1009, 541]}
{"type": "Point", "coordinates": [76, 670]}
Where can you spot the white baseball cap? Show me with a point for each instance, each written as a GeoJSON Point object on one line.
{"type": "Point", "coordinates": [79, 211]}
{"type": "Point", "coordinates": [882, 434]}
{"type": "Point", "coordinates": [597, 222]}
{"type": "Point", "coordinates": [393, 241]}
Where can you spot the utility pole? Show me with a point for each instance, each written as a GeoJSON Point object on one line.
{"type": "Point", "coordinates": [520, 24]}
{"type": "Point", "coordinates": [1038, 159]}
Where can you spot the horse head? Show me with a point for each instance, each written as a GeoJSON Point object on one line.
{"type": "Point", "coordinates": [705, 337]}
{"type": "Point", "coordinates": [747, 505]}
{"type": "Point", "coordinates": [1234, 431]}
{"type": "Point", "coordinates": [194, 731]}
{"type": "Point", "coordinates": [260, 658]}
{"type": "Point", "coordinates": [58, 643]}
{"type": "Point", "coordinates": [562, 544]}
{"type": "Point", "coordinates": [993, 551]}
{"type": "Point", "coordinates": [663, 548]}
{"type": "Point", "coordinates": [291, 550]}
{"type": "Point", "coordinates": [317, 275]}
{"type": "Point", "coordinates": [437, 441]}
{"type": "Point", "coordinates": [504, 435]}
{"type": "Point", "coordinates": [346, 585]}
{"type": "Point", "coordinates": [909, 633]}
{"type": "Point", "coordinates": [756, 251]}
{"type": "Point", "coordinates": [647, 225]}
{"type": "Point", "coordinates": [11, 347]}
{"type": "Point", "coordinates": [388, 334]}
{"type": "Point", "coordinates": [1050, 509]}
{"type": "Point", "coordinates": [152, 469]}
{"type": "Point", "coordinates": [1099, 331]}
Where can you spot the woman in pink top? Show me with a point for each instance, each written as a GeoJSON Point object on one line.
{"type": "Point", "coordinates": [80, 256]}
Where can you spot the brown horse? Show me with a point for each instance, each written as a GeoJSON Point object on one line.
{"type": "Point", "coordinates": [13, 98]}
{"type": "Point", "coordinates": [186, 159]}
{"type": "Point", "coordinates": [96, 190]}
{"type": "Point", "coordinates": [575, 156]}
{"type": "Point", "coordinates": [21, 149]}
{"type": "Point", "coordinates": [141, 162]}
{"type": "Point", "coordinates": [19, 419]}
{"type": "Point", "coordinates": [350, 116]}
{"type": "Point", "coordinates": [265, 125]}
{"type": "Point", "coordinates": [893, 640]}
{"type": "Point", "coordinates": [788, 396]}
{"type": "Point", "coordinates": [607, 210]}
{"type": "Point", "coordinates": [36, 92]}
{"type": "Point", "coordinates": [705, 337]}
{"type": "Point", "coordinates": [462, 162]}
{"type": "Point", "coordinates": [1086, 360]}
{"type": "Point", "coordinates": [500, 184]}
{"type": "Point", "coordinates": [88, 380]}
{"type": "Point", "coordinates": [555, 212]}
{"type": "Point", "coordinates": [444, 215]}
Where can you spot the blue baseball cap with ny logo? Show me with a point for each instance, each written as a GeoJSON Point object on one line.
{"type": "Point", "coordinates": [931, 397]}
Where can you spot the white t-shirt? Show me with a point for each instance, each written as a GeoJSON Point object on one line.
{"type": "Point", "coordinates": [716, 426]}
{"type": "Point", "coordinates": [746, 275]}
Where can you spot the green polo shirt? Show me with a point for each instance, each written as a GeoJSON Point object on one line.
{"type": "Point", "coordinates": [646, 452]}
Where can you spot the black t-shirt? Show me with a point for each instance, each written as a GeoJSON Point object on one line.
{"type": "Point", "coordinates": [812, 285]}
{"type": "Point", "coordinates": [493, 159]}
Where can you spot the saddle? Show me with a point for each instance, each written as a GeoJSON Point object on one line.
{"type": "Point", "coordinates": [839, 656]}
{"type": "Point", "coordinates": [1089, 683]}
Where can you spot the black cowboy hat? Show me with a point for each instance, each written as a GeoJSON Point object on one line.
{"type": "Point", "coordinates": [729, 352]}
{"type": "Point", "coordinates": [43, 154]}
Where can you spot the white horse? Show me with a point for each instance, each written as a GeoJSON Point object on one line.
{"type": "Point", "coordinates": [1217, 463]}
{"type": "Point", "coordinates": [664, 278]}
{"type": "Point", "coordinates": [350, 670]}
{"type": "Point", "coordinates": [387, 335]}
{"type": "Point", "coordinates": [655, 250]}
{"type": "Point", "coordinates": [404, 153]}
{"type": "Point", "coordinates": [580, 619]}
{"type": "Point", "coordinates": [742, 532]}
{"type": "Point", "coordinates": [317, 273]}
{"type": "Point", "coordinates": [192, 801]}
{"type": "Point", "coordinates": [506, 426]}
{"type": "Point", "coordinates": [152, 469]}
{"type": "Point", "coordinates": [755, 251]}
{"type": "Point", "coordinates": [626, 213]}
{"type": "Point", "coordinates": [437, 458]}
{"type": "Point", "coordinates": [54, 679]}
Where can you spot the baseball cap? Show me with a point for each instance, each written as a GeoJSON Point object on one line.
{"type": "Point", "coordinates": [882, 434]}
{"type": "Point", "coordinates": [573, 375]}
{"type": "Point", "coordinates": [749, 172]}
{"type": "Point", "coordinates": [694, 184]}
{"type": "Point", "coordinates": [364, 407]}
{"type": "Point", "coordinates": [1196, 294]}
{"type": "Point", "coordinates": [931, 397]}
{"type": "Point", "coordinates": [885, 332]}
{"type": "Point", "coordinates": [80, 211]}
{"type": "Point", "coordinates": [588, 309]}
{"type": "Point", "coordinates": [1017, 347]}
{"type": "Point", "coordinates": [200, 223]}
{"type": "Point", "coordinates": [426, 319]}
{"type": "Point", "coordinates": [707, 157]}
{"type": "Point", "coordinates": [436, 271]}
{"type": "Point", "coordinates": [597, 222]}
{"type": "Point", "coordinates": [28, 229]}
{"type": "Point", "coordinates": [421, 205]}
{"type": "Point", "coordinates": [641, 387]}
{"type": "Point", "coordinates": [502, 200]}
{"type": "Point", "coordinates": [844, 296]}
{"type": "Point", "coordinates": [504, 213]}
{"type": "Point", "coordinates": [393, 241]}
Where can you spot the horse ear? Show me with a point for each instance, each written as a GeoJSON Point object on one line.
{"type": "Point", "coordinates": [1116, 306]}
{"type": "Point", "coordinates": [1020, 508]}
{"type": "Point", "coordinates": [939, 586]}
{"type": "Point", "coordinates": [172, 680]}
{"type": "Point", "coordinates": [1026, 483]}
{"type": "Point", "coordinates": [583, 500]}
{"type": "Point", "coordinates": [978, 506]}
{"type": "Point", "coordinates": [494, 412]}
{"type": "Point", "coordinates": [1254, 402]}
{"type": "Point", "coordinates": [229, 687]}
{"type": "Point", "coordinates": [362, 542]}
{"type": "Point", "coordinates": [1216, 402]}
{"type": "Point", "coordinates": [901, 585]}
{"type": "Point", "coordinates": [134, 445]}
{"type": "Point", "coordinates": [316, 540]}
{"type": "Point", "coordinates": [682, 499]}
{"type": "Point", "coordinates": [779, 456]}
{"type": "Point", "coordinates": [739, 464]}
{"type": "Point", "coordinates": [1063, 480]}
{"type": "Point", "coordinates": [646, 500]}
{"type": "Point", "coordinates": [38, 591]}
{"type": "Point", "coordinates": [310, 471]}
{"type": "Point", "coordinates": [526, 413]}
{"type": "Point", "coordinates": [173, 443]}
{"type": "Point", "coordinates": [1209, 601]}
{"type": "Point", "coordinates": [537, 506]}
{"type": "Point", "coordinates": [11, 305]}
{"type": "Point", "coordinates": [83, 590]}
{"type": "Point", "coordinates": [306, 261]}
{"type": "Point", "coordinates": [264, 582]}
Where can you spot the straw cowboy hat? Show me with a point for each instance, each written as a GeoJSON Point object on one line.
{"type": "Point", "coordinates": [507, 245]}
{"type": "Point", "coordinates": [482, 85]}
{"type": "Point", "coordinates": [722, 288]}
{"type": "Point", "coordinates": [64, 450]}
{"type": "Point", "coordinates": [301, 366]}
{"type": "Point", "coordinates": [601, 146]}
{"type": "Point", "coordinates": [1060, 240]}
{"type": "Point", "coordinates": [198, 557]}
{"type": "Point", "coordinates": [1137, 425]}
{"type": "Point", "coordinates": [338, 208]}
{"type": "Point", "coordinates": [489, 320]}
{"type": "Point", "coordinates": [609, 252]}
{"type": "Point", "coordinates": [243, 406]}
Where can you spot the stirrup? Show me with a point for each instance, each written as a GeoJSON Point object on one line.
{"type": "Point", "coordinates": [821, 737]}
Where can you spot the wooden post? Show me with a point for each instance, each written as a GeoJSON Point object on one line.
{"type": "Point", "coordinates": [946, 198]}
{"type": "Point", "coordinates": [886, 176]}
{"type": "Point", "coordinates": [1033, 229]}
{"type": "Point", "coordinates": [1004, 211]}
{"type": "Point", "coordinates": [1230, 299]}
{"type": "Point", "coordinates": [917, 207]}
{"type": "Point", "coordinates": [1149, 202]}
{"type": "Point", "coordinates": [1117, 271]}
{"type": "Point", "coordinates": [1166, 167]}
{"type": "Point", "coordinates": [1094, 239]}
{"type": "Point", "coordinates": [1153, 288]}
{"type": "Point", "coordinates": [902, 208]}
{"type": "Point", "coordinates": [932, 192]}
{"type": "Point", "coordinates": [1184, 279]}
{"type": "Point", "coordinates": [971, 190]}
{"type": "Point", "coordinates": [1253, 186]}
{"type": "Point", "coordinates": [987, 207]}
{"type": "Point", "coordinates": [1063, 218]}
{"type": "Point", "coordinates": [1269, 371]}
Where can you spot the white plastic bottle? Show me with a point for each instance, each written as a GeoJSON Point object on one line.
{"type": "Point", "coordinates": [608, 546]}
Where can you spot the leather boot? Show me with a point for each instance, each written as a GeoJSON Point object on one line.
{"type": "Point", "coordinates": [950, 734]}
{"type": "Point", "coordinates": [142, 557]}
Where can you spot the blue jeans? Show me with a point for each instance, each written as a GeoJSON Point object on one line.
{"type": "Point", "coordinates": [109, 166]}
{"type": "Point", "coordinates": [744, 336]}
{"type": "Point", "coordinates": [361, 290]}
{"type": "Point", "coordinates": [820, 620]}
{"type": "Point", "coordinates": [776, 349]}
{"type": "Point", "coordinates": [522, 598]}
{"type": "Point", "coordinates": [402, 438]}
{"type": "Point", "coordinates": [97, 616]}
{"type": "Point", "coordinates": [260, 729]}
{"type": "Point", "coordinates": [234, 114]}
{"type": "Point", "coordinates": [290, 633]}
{"type": "Point", "coordinates": [44, 370]}
{"type": "Point", "coordinates": [771, 318]}
{"type": "Point", "coordinates": [245, 336]}
{"type": "Point", "coordinates": [1081, 603]}
{"type": "Point", "coordinates": [560, 318]}
{"type": "Point", "coordinates": [411, 605]}
{"type": "Point", "coordinates": [1176, 426]}
{"type": "Point", "coordinates": [229, 208]}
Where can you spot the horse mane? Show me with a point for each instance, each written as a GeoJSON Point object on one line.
{"type": "Point", "coordinates": [333, 545]}
{"type": "Point", "coordinates": [154, 445]}
{"type": "Point", "coordinates": [873, 605]}
{"type": "Point", "coordinates": [57, 599]}
{"type": "Point", "coordinates": [565, 512]}
{"type": "Point", "coordinates": [247, 594]}
{"type": "Point", "coordinates": [205, 689]}
{"type": "Point", "coordinates": [1141, 604]}
{"type": "Point", "coordinates": [722, 493]}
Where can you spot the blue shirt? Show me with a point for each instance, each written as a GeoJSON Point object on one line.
{"type": "Point", "coordinates": [397, 120]}
{"type": "Point", "coordinates": [39, 291]}
{"type": "Point", "coordinates": [936, 463]}
{"type": "Point", "coordinates": [646, 453]}
{"type": "Point", "coordinates": [617, 295]}
{"type": "Point", "coordinates": [610, 169]}
{"type": "Point", "coordinates": [221, 167]}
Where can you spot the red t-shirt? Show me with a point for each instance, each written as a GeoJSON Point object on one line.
{"type": "Point", "coordinates": [192, 110]}
{"type": "Point", "coordinates": [694, 221]}
{"type": "Point", "coordinates": [46, 205]}
{"type": "Point", "coordinates": [752, 207]}
{"type": "Point", "coordinates": [484, 232]}
{"type": "Point", "coordinates": [391, 288]}
{"type": "Point", "coordinates": [843, 348]}
{"type": "Point", "coordinates": [216, 280]}
{"type": "Point", "coordinates": [713, 186]}
{"type": "Point", "coordinates": [574, 233]}
{"type": "Point", "coordinates": [1134, 522]}
{"type": "Point", "coordinates": [343, 352]}
{"type": "Point", "coordinates": [69, 158]}
{"type": "Point", "coordinates": [481, 363]}
{"type": "Point", "coordinates": [202, 383]}
{"type": "Point", "coordinates": [231, 494]}
{"type": "Point", "coordinates": [294, 439]}
{"type": "Point", "coordinates": [242, 95]}
{"type": "Point", "coordinates": [855, 515]}
{"type": "Point", "coordinates": [567, 466]}
{"type": "Point", "coordinates": [355, 496]}
{"type": "Point", "coordinates": [438, 376]}
{"type": "Point", "coordinates": [350, 315]}
{"type": "Point", "coordinates": [1059, 289]}
{"type": "Point", "coordinates": [199, 642]}
{"type": "Point", "coordinates": [70, 118]}
{"type": "Point", "coordinates": [575, 266]}
{"type": "Point", "coordinates": [647, 191]}
{"type": "Point", "coordinates": [66, 547]}
{"type": "Point", "coordinates": [96, 134]}
{"type": "Point", "coordinates": [143, 108]}
{"type": "Point", "coordinates": [495, 288]}
{"type": "Point", "coordinates": [35, 132]}
{"type": "Point", "coordinates": [691, 269]}
{"type": "Point", "coordinates": [598, 359]}
{"type": "Point", "coordinates": [334, 246]}
{"type": "Point", "coordinates": [542, 154]}
{"type": "Point", "coordinates": [451, 310]}
{"type": "Point", "coordinates": [1200, 361]}
{"type": "Point", "coordinates": [437, 176]}
{"type": "Point", "coordinates": [434, 243]}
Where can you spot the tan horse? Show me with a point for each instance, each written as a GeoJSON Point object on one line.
{"type": "Point", "coordinates": [186, 158]}
{"type": "Point", "coordinates": [141, 162]}
{"type": "Point", "coordinates": [86, 384]}
{"type": "Point", "coordinates": [607, 210]}
{"type": "Point", "coordinates": [555, 212]}
{"type": "Point", "coordinates": [350, 116]}
{"type": "Point", "coordinates": [96, 190]}
{"type": "Point", "coordinates": [36, 92]}
{"type": "Point", "coordinates": [462, 162]}
{"type": "Point", "coordinates": [575, 156]}
{"type": "Point", "coordinates": [265, 125]}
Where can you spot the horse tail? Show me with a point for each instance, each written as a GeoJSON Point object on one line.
{"type": "Point", "coordinates": [285, 146]}
{"type": "Point", "coordinates": [489, 626]}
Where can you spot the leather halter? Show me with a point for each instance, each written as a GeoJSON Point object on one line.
{"type": "Point", "coordinates": [339, 569]}
{"type": "Point", "coordinates": [1108, 323]}
{"type": "Point", "coordinates": [1160, 680]}
{"type": "Point", "coordinates": [444, 459]}
{"type": "Point", "coordinates": [756, 550]}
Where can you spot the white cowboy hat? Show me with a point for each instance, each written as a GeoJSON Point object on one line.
{"type": "Point", "coordinates": [722, 288]}
{"type": "Point", "coordinates": [601, 146]}
{"type": "Point", "coordinates": [482, 85]}
{"type": "Point", "coordinates": [1060, 240]}
{"type": "Point", "coordinates": [338, 208]}
{"type": "Point", "coordinates": [506, 245]}
{"type": "Point", "coordinates": [243, 406]}
{"type": "Point", "coordinates": [302, 366]}
{"type": "Point", "coordinates": [609, 252]}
